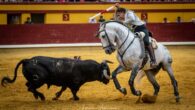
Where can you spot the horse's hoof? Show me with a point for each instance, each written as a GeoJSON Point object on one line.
{"type": "Point", "coordinates": [177, 99]}
{"type": "Point", "coordinates": [138, 100]}
{"type": "Point", "coordinates": [123, 90]}
{"type": "Point", "coordinates": [138, 93]}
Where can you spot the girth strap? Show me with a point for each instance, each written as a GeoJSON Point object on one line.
{"type": "Point", "coordinates": [121, 55]}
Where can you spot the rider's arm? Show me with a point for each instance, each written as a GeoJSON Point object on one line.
{"type": "Point", "coordinates": [117, 5]}
{"type": "Point", "coordinates": [115, 16]}
{"type": "Point", "coordinates": [129, 18]}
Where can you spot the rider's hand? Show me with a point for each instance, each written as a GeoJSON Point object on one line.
{"type": "Point", "coordinates": [117, 5]}
{"type": "Point", "coordinates": [137, 34]}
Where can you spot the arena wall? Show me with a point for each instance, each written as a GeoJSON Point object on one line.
{"type": "Point", "coordinates": [80, 12]}
{"type": "Point", "coordinates": [84, 33]}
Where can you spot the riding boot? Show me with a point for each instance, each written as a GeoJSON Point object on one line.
{"type": "Point", "coordinates": [152, 55]}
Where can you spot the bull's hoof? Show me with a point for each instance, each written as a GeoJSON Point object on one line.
{"type": "Point", "coordinates": [42, 97]}
{"type": "Point", "coordinates": [55, 98]}
{"type": "Point", "coordinates": [58, 94]}
{"type": "Point", "coordinates": [123, 90]}
{"type": "Point", "coordinates": [36, 96]}
{"type": "Point", "coordinates": [74, 98]}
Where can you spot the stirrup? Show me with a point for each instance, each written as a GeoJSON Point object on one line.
{"type": "Point", "coordinates": [153, 64]}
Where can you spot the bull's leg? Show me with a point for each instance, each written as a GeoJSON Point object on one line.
{"type": "Point", "coordinates": [118, 70]}
{"type": "Point", "coordinates": [152, 79]}
{"type": "Point", "coordinates": [29, 89]}
{"type": "Point", "coordinates": [173, 80]}
{"type": "Point", "coordinates": [131, 80]}
{"type": "Point", "coordinates": [58, 94]}
{"type": "Point", "coordinates": [37, 94]}
{"type": "Point", "coordinates": [36, 76]}
{"type": "Point", "coordinates": [74, 92]}
{"type": "Point", "coordinates": [33, 88]}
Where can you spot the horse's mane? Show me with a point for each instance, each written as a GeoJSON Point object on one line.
{"type": "Point", "coordinates": [113, 21]}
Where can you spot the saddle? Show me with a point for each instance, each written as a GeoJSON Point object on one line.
{"type": "Point", "coordinates": [154, 43]}
{"type": "Point", "coordinates": [146, 54]}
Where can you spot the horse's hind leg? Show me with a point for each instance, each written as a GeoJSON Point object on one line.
{"type": "Point", "coordinates": [151, 77]}
{"type": "Point", "coordinates": [58, 94]}
{"type": "Point", "coordinates": [169, 70]}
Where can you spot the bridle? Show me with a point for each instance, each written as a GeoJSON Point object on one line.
{"type": "Point", "coordinates": [110, 45]}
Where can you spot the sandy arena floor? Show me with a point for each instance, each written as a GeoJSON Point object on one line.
{"type": "Point", "coordinates": [95, 95]}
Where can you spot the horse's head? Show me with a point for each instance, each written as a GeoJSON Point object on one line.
{"type": "Point", "coordinates": [108, 38]}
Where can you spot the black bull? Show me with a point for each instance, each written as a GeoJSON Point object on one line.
{"type": "Point", "coordinates": [64, 72]}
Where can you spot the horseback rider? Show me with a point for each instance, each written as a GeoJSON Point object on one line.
{"type": "Point", "coordinates": [128, 17]}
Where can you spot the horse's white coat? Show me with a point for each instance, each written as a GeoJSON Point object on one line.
{"type": "Point", "coordinates": [113, 33]}
{"type": "Point", "coordinates": [117, 34]}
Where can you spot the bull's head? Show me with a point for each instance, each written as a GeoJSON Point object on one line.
{"type": "Point", "coordinates": [105, 71]}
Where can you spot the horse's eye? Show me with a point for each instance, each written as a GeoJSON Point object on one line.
{"type": "Point", "coordinates": [103, 36]}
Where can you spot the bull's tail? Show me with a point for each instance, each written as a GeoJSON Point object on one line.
{"type": "Point", "coordinates": [7, 79]}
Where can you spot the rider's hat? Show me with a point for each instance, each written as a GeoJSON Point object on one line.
{"type": "Point", "coordinates": [121, 10]}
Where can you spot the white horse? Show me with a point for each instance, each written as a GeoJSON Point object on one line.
{"type": "Point", "coordinates": [116, 36]}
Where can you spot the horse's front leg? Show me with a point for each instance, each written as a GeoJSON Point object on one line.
{"type": "Point", "coordinates": [118, 70]}
{"type": "Point", "coordinates": [134, 72]}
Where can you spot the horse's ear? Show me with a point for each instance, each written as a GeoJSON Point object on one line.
{"type": "Point", "coordinates": [96, 35]}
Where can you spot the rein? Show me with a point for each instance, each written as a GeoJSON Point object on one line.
{"type": "Point", "coordinates": [106, 35]}
{"type": "Point", "coordinates": [126, 39]}
{"type": "Point", "coordinates": [121, 55]}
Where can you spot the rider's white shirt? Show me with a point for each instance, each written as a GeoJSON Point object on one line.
{"type": "Point", "coordinates": [132, 19]}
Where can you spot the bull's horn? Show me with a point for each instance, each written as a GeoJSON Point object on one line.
{"type": "Point", "coordinates": [106, 75]}
{"type": "Point", "coordinates": [107, 61]}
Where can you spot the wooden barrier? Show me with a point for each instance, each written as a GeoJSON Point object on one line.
{"type": "Point", "coordinates": [84, 33]}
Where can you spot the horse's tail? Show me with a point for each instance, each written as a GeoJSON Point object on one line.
{"type": "Point", "coordinates": [7, 79]}
{"type": "Point", "coordinates": [139, 76]}
{"type": "Point", "coordinates": [141, 73]}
